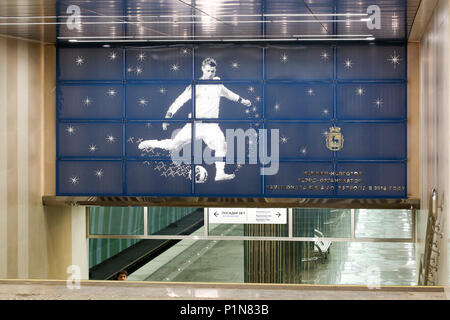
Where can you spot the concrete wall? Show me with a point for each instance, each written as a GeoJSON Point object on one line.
{"type": "Point", "coordinates": [35, 242]}
{"type": "Point", "coordinates": [434, 126]}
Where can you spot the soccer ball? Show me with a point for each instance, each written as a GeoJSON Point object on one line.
{"type": "Point", "coordinates": [200, 174]}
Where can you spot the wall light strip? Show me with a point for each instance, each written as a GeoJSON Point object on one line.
{"type": "Point", "coordinates": [199, 16]}
{"type": "Point", "coordinates": [220, 40]}
{"type": "Point", "coordinates": [179, 22]}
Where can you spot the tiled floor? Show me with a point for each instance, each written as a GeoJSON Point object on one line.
{"type": "Point", "coordinates": [356, 263]}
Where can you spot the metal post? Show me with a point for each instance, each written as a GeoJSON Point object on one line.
{"type": "Point", "coordinates": [290, 223]}
{"type": "Point", "coordinates": [206, 222]}
{"type": "Point", "coordinates": [145, 221]}
{"type": "Point", "coordinates": [352, 224]}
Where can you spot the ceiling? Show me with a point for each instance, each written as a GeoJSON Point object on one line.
{"type": "Point", "coordinates": [204, 20]}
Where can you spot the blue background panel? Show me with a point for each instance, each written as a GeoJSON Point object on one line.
{"type": "Point", "coordinates": [102, 102]}
{"type": "Point", "coordinates": [288, 179]}
{"type": "Point", "coordinates": [89, 177]}
{"type": "Point", "coordinates": [157, 178]}
{"type": "Point", "coordinates": [301, 90]}
{"type": "Point", "coordinates": [90, 140]}
{"type": "Point", "coordinates": [299, 63]}
{"type": "Point", "coordinates": [386, 180]}
{"type": "Point", "coordinates": [90, 64]}
{"type": "Point", "coordinates": [373, 141]}
{"type": "Point", "coordinates": [247, 181]}
{"type": "Point", "coordinates": [299, 102]}
{"type": "Point", "coordinates": [302, 141]}
{"type": "Point", "coordinates": [371, 62]}
{"type": "Point", "coordinates": [151, 101]}
{"type": "Point", "coordinates": [233, 62]}
{"type": "Point", "coordinates": [159, 63]}
{"type": "Point", "coordinates": [371, 101]}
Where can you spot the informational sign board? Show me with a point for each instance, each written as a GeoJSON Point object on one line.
{"type": "Point", "coordinates": [247, 215]}
{"type": "Point", "coordinates": [300, 121]}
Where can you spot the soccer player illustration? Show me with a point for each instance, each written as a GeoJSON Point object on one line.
{"type": "Point", "coordinates": [207, 102]}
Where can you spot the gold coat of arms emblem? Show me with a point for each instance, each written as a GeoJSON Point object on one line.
{"type": "Point", "coordinates": [335, 139]}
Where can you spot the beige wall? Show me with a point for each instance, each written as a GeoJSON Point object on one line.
{"type": "Point", "coordinates": [35, 242]}
{"type": "Point", "coordinates": [434, 126]}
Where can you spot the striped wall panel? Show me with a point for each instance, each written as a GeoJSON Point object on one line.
{"type": "Point", "coordinates": [23, 247]}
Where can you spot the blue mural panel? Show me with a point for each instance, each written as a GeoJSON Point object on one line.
{"type": "Point", "coordinates": [90, 64]}
{"type": "Point", "coordinates": [335, 118]}
{"type": "Point", "coordinates": [301, 141]}
{"type": "Point", "coordinates": [377, 180]}
{"type": "Point", "coordinates": [246, 181]}
{"type": "Point", "coordinates": [373, 141]}
{"type": "Point", "coordinates": [158, 178]}
{"type": "Point", "coordinates": [294, 179]}
{"type": "Point", "coordinates": [299, 102]}
{"type": "Point", "coordinates": [152, 101]}
{"type": "Point", "coordinates": [157, 139]}
{"type": "Point", "coordinates": [299, 63]}
{"type": "Point", "coordinates": [371, 101]}
{"type": "Point", "coordinates": [89, 177]}
{"type": "Point", "coordinates": [371, 62]}
{"type": "Point", "coordinates": [232, 62]}
{"type": "Point", "coordinates": [90, 140]}
{"type": "Point", "coordinates": [164, 63]}
{"type": "Point", "coordinates": [101, 102]}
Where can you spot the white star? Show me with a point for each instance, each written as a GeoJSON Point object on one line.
{"type": "Point", "coordinates": [70, 130]}
{"type": "Point", "coordinates": [130, 69]}
{"type": "Point", "coordinates": [395, 59]}
{"type": "Point", "coordinates": [92, 148]}
{"type": "Point", "coordinates": [162, 90]}
{"type": "Point", "coordinates": [251, 89]}
{"type": "Point", "coordinates": [348, 64]}
{"type": "Point", "coordinates": [276, 107]}
{"type": "Point", "coordinates": [111, 92]}
{"type": "Point", "coordinates": [325, 112]}
{"type": "Point", "coordinates": [74, 180]}
{"type": "Point", "coordinates": [254, 109]}
{"type": "Point", "coordinates": [247, 111]}
{"type": "Point", "coordinates": [131, 139]}
{"type": "Point", "coordinates": [360, 91]}
{"type": "Point", "coordinates": [303, 150]}
{"type": "Point", "coordinates": [99, 173]}
{"type": "Point", "coordinates": [112, 56]}
{"type": "Point", "coordinates": [379, 102]}
{"type": "Point", "coordinates": [111, 139]}
{"type": "Point", "coordinates": [284, 140]}
{"type": "Point", "coordinates": [256, 115]}
{"type": "Point", "coordinates": [284, 58]}
{"type": "Point", "coordinates": [79, 61]}
{"type": "Point", "coordinates": [235, 65]}
{"type": "Point", "coordinates": [87, 101]}
{"type": "Point", "coordinates": [310, 92]}
{"type": "Point", "coordinates": [325, 133]}
{"type": "Point", "coordinates": [141, 56]}
{"type": "Point", "coordinates": [143, 102]}
{"type": "Point", "coordinates": [138, 70]}
{"type": "Point", "coordinates": [148, 125]}
{"type": "Point", "coordinates": [324, 55]}
{"type": "Point", "coordinates": [175, 67]}
{"type": "Point", "coordinates": [185, 52]}
{"type": "Point", "coordinates": [258, 99]}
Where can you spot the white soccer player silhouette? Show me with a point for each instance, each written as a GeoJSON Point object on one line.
{"type": "Point", "coordinates": [207, 101]}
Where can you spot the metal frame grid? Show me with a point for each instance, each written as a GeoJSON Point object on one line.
{"type": "Point", "coordinates": [263, 82]}
{"type": "Point", "coordinates": [289, 237]}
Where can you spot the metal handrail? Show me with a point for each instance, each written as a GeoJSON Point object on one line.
{"type": "Point", "coordinates": [432, 242]}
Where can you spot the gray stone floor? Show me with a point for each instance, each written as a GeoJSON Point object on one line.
{"type": "Point", "coordinates": [352, 263]}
